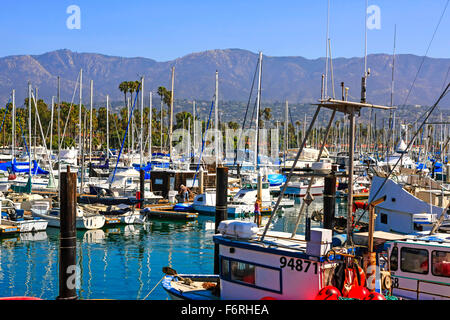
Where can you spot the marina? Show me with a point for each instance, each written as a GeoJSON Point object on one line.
{"type": "Point", "coordinates": [210, 178]}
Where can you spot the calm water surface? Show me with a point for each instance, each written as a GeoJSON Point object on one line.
{"type": "Point", "coordinates": [123, 263]}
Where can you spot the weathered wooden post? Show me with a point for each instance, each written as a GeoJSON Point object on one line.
{"type": "Point", "coordinates": [68, 237]}
{"type": "Point", "coordinates": [221, 207]}
{"type": "Point", "coordinates": [329, 201]}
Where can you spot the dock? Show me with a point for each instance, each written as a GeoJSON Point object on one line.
{"type": "Point", "coordinates": [167, 212]}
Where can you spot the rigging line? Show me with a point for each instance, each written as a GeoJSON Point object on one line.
{"type": "Point", "coordinates": [428, 48]}
{"type": "Point", "coordinates": [246, 110]}
{"type": "Point", "coordinates": [126, 131]}
{"type": "Point", "coordinates": [203, 143]}
{"type": "Point", "coordinates": [70, 109]}
{"type": "Point", "coordinates": [407, 147]}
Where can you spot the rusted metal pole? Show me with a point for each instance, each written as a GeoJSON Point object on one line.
{"type": "Point", "coordinates": [67, 246]}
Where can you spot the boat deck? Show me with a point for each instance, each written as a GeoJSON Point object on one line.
{"type": "Point", "coordinates": [167, 212]}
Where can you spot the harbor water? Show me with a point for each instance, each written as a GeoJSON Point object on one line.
{"type": "Point", "coordinates": [123, 262]}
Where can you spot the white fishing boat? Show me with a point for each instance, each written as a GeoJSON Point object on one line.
{"type": "Point", "coordinates": [83, 220]}
{"type": "Point", "coordinates": [420, 267]}
{"type": "Point", "coordinates": [279, 267]}
{"type": "Point", "coordinates": [11, 216]}
{"type": "Point", "coordinates": [410, 207]}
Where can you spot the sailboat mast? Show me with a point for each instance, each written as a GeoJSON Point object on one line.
{"type": "Point", "coordinates": [258, 103]}
{"type": "Point", "coordinates": [59, 140]}
{"type": "Point", "coordinates": [150, 115]}
{"type": "Point", "coordinates": [216, 118]}
{"type": "Point", "coordinates": [171, 115]}
{"type": "Point", "coordinates": [286, 124]}
{"type": "Point", "coordinates": [79, 112]}
{"type": "Point", "coordinates": [13, 135]}
{"type": "Point", "coordinates": [259, 191]}
{"type": "Point", "coordinates": [107, 127]}
{"type": "Point", "coordinates": [193, 128]}
{"type": "Point", "coordinates": [51, 127]}
{"type": "Point", "coordinates": [326, 52]}
{"type": "Point", "coordinates": [141, 149]}
{"type": "Point", "coordinates": [29, 128]}
{"type": "Point", "coordinates": [90, 121]}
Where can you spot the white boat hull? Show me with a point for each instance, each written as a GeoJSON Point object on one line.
{"type": "Point", "coordinates": [82, 223]}
{"type": "Point", "coordinates": [28, 225]}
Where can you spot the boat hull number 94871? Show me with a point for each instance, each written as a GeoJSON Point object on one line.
{"type": "Point", "coordinates": [298, 264]}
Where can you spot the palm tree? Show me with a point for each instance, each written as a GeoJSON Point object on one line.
{"type": "Point", "coordinates": [267, 113]}
{"type": "Point", "coordinates": [123, 87]}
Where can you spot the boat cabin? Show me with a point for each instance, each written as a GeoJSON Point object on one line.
{"type": "Point", "coordinates": [279, 267]}
{"type": "Point", "coordinates": [420, 267]}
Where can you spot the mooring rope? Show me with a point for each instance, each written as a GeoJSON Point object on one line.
{"type": "Point", "coordinates": [154, 288]}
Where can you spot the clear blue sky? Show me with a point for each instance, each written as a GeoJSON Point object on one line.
{"type": "Point", "coordinates": [165, 30]}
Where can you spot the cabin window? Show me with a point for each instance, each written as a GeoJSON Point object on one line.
{"type": "Point", "coordinates": [242, 271]}
{"type": "Point", "coordinates": [225, 268]}
{"type": "Point", "coordinates": [440, 262]}
{"type": "Point", "coordinates": [394, 259]}
{"type": "Point", "coordinates": [258, 276]}
{"type": "Point", "coordinates": [414, 260]}
{"type": "Point", "coordinates": [200, 199]}
{"type": "Point", "coordinates": [384, 218]}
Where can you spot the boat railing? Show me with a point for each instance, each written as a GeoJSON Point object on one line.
{"type": "Point", "coordinates": [418, 290]}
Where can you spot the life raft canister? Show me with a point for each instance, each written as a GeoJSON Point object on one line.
{"type": "Point", "coordinates": [354, 277]}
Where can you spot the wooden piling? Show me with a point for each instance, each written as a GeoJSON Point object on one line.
{"type": "Point", "coordinates": [67, 236]}
{"type": "Point", "coordinates": [329, 201]}
{"type": "Point", "coordinates": [221, 207]}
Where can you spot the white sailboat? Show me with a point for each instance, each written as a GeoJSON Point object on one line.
{"type": "Point", "coordinates": [83, 220]}
{"type": "Point", "coordinates": [11, 216]}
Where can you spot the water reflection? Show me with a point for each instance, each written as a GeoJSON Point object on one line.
{"type": "Point", "coordinates": [118, 262]}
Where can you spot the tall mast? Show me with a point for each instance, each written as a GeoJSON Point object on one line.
{"type": "Point", "coordinates": [161, 125]}
{"type": "Point", "coordinates": [193, 128]}
{"type": "Point", "coordinates": [128, 120]}
{"type": "Point", "coordinates": [365, 41]}
{"type": "Point", "coordinates": [90, 121]}
{"type": "Point", "coordinates": [51, 126]}
{"type": "Point", "coordinates": [141, 149]}
{"type": "Point", "coordinates": [59, 139]}
{"type": "Point", "coordinates": [150, 115]}
{"type": "Point", "coordinates": [79, 112]}
{"type": "Point", "coordinates": [393, 67]}
{"type": "Point", "coordinates": [29, 128]}
{"type": "Point", "coordinates": [286, 124]}
{"type": "Point", "coordinates": [35, 121]}
{"type": "Point", "coordinates": [13, 136]}
{"type": "Point", "coordinates": [326, 52]}
{"type": "Point", "coordinates": [216, 118]}
{"type": "Point", "coordinates": [107, 126]}
{"type": "Point", "coordinates": [258, 103]}
{"type": "Point", "coordinates": [171, 115]}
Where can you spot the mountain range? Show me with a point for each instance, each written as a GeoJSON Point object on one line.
{"type": "Point", "coordinates": [296, 79]}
